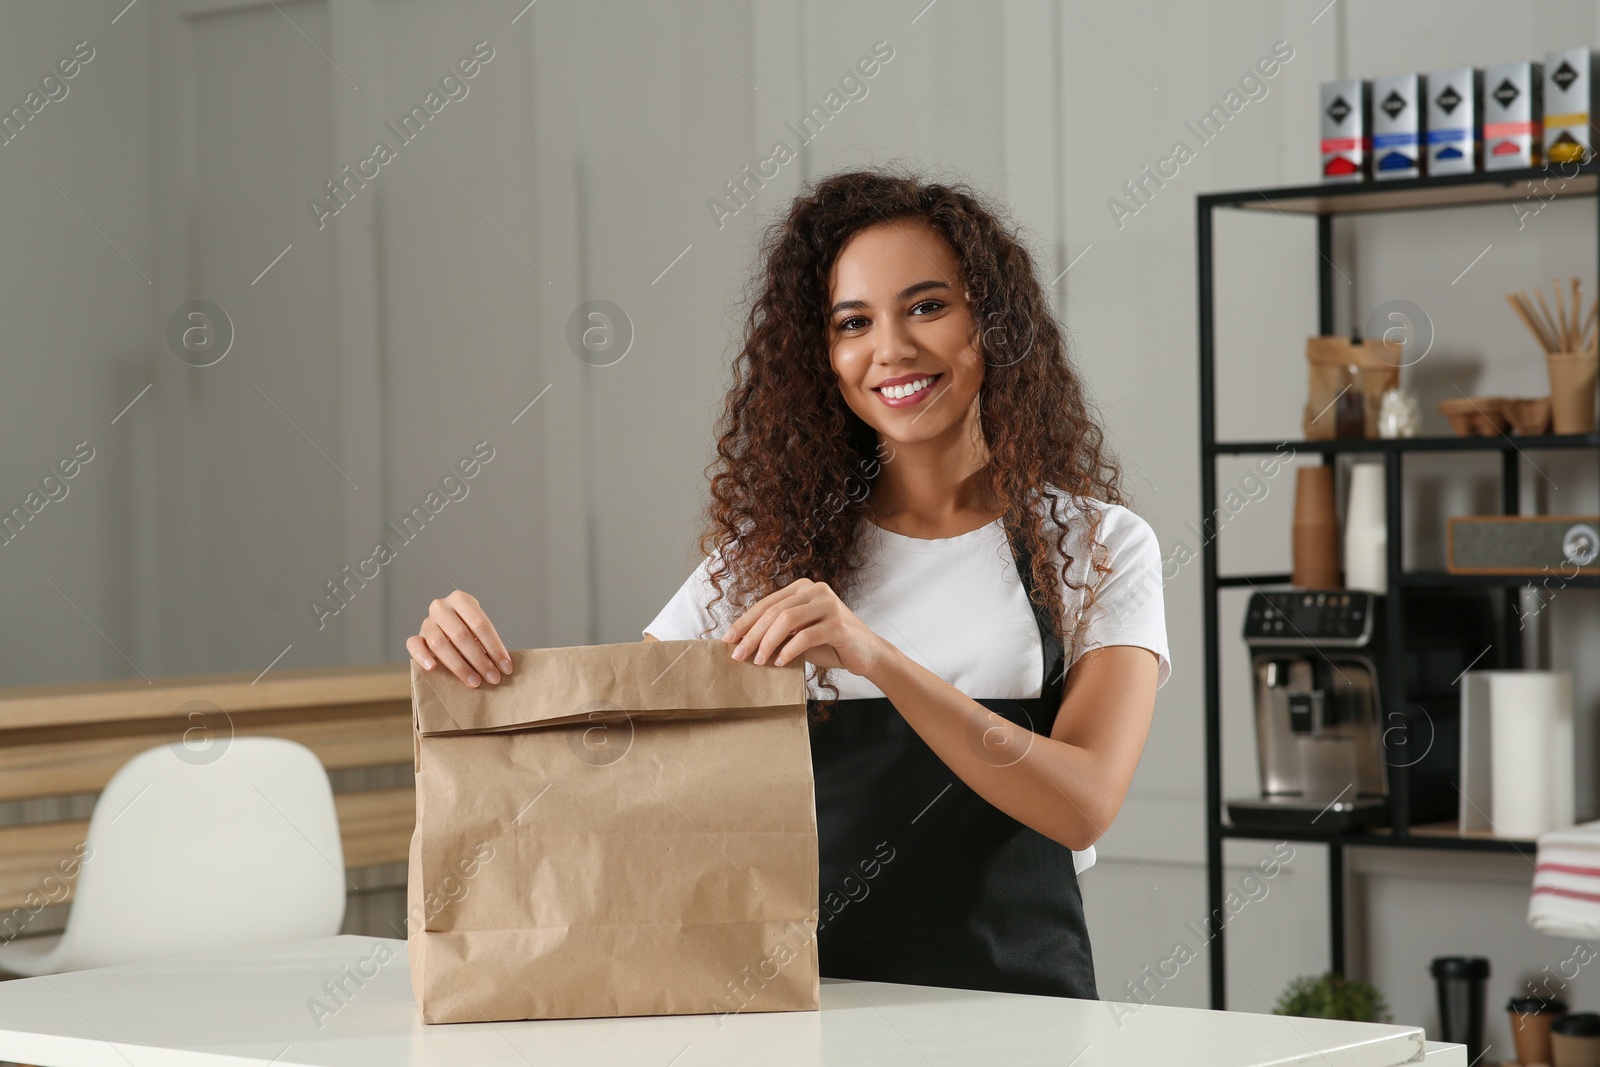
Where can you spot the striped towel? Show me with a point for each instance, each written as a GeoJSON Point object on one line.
{"type": "Point", "coordinates": [1566, 883]}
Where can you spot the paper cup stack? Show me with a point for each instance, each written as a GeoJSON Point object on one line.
{"type": "Point", "coordinates": [1316, 529]}
{"type": "Point", "coordinates": [1366, 536]}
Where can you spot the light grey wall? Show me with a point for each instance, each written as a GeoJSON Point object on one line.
{"type": "Point", "coordinates": [580, 168]}
{"type": "Point", "coordinates": [74, 303]}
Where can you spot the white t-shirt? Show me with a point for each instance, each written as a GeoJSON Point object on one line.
{"type": "Point", "coordinates": [956, 606]}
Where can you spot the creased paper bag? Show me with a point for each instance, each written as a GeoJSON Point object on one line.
{"type": "Point", "coordinates": [624, 829]}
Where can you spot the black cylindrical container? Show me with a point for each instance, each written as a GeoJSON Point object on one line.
{"type": "Point", "coordinates": [1460, 981]}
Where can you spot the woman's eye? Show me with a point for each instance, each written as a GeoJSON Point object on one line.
{"type": "Point", "coordinates": [846, 324]}
{"type": "Point", "coordinates": [933, 304]}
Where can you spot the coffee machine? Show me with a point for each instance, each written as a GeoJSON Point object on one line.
{"type": "Point", "coordinates": [1328, 714]}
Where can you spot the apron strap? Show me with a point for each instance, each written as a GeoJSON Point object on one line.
{"type": "Point", "coordinates": [1054, 656]}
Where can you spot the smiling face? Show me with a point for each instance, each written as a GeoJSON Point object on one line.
{"type": "Point", "coordinates": [898, 318]}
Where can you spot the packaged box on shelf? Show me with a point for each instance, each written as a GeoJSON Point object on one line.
{"type": "Point", "coordinates": [1455, 109]}
{"type": "Point", "coordinates": [1397, 126]}
{"type": "Point", "coordinates": [1568, 105]}
{"type": "Point", "coordinates": [1346, 130]}
{"type": "Point", "coordinates": [1513, 115]}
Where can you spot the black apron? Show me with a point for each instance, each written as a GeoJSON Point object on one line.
{"type": "Point", "coordinates": [923, 882]}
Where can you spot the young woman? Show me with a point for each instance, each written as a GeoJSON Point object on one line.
{"type": "Point", "coordinates": [910, 489]}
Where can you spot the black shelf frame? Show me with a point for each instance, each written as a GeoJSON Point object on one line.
{"type": "Point", "coordinates": [1535, 186]}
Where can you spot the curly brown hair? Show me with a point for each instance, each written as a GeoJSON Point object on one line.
{"type": "Point", "coordinates": [795, 465]}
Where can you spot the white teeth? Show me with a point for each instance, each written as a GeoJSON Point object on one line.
{"type": "Point", "coordinates": [896, 392]}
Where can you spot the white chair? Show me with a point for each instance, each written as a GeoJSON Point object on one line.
{"type": "Point", "coordinates": [186, 856]}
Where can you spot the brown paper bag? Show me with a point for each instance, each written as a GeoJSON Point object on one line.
{"type": "Point", "coordinates": [1367, 368]}
{"type": "Point", "coordinates": [624, 829]}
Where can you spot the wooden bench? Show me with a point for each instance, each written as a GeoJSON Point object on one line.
{"type": "Point", "coordinates": [68, 740]}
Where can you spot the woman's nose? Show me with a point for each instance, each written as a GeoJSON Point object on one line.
{"type": "Point", "coordinates": [894, 342]}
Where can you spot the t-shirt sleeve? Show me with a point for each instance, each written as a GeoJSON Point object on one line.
{"type": "Point", "coordinates": [685, 616]}
{"type": "Point", "coordinates": [1129, 609]}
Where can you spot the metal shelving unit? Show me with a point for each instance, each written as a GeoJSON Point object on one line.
{"type": "Point", "coordinates": [1327, 202]}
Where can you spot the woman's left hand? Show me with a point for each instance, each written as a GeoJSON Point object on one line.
{"type": "Point", "coordinates": [806, 619]}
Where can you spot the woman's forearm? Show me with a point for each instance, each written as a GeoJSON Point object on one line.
{"type": "Point", "coordinates": [1051, 786]}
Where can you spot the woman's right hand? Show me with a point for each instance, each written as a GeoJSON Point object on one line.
{"type": "Point", "coordinates": [459, 635]}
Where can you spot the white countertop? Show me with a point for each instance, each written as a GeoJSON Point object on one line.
{"type": "Point", "coordinates": [256, 1007]}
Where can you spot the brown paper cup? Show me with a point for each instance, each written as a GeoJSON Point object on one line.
{"type": "Point", "coordinates": [1313, 495]}
{"type": "Point", "coordinates": [1572, 390]}
{"type": "Point", "coordinates": [1315, 539]}
{"type": "Point", "coordinates": [1568, 1051]}
{"type": "Point", "coordinates": [1530, 1033]}
{"type": "Point", "coordinates": [1316, 555]}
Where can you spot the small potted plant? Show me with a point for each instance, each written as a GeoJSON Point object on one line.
{"type": "Point", "coordinates": [1332, 996]}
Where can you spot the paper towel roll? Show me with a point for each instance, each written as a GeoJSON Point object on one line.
{"type": "Point", "coordinates": [1531, 738]}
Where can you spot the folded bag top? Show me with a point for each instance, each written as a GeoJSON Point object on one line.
{"type": "Point", "coordinates": [601, 683]}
